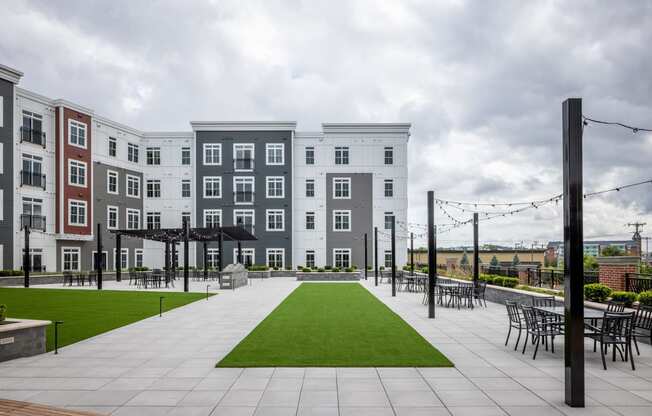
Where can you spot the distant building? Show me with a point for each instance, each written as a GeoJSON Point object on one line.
{"type": "Point", "coordinates": [555, 249]}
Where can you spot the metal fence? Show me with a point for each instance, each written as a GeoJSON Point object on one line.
{"type": "Point", "coordinates": [636, 282]}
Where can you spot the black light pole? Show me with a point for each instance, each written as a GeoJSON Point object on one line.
{"type": "Point", "coordinates": [411, 253]}
{"type": "Point", "coordinates": [365, 256]}
{"type": "Point", "coordinates": [220, 243]}
{"type": "Point", "coordinates": [98, 258]}
{"type": "Point", "coordinates": [432, 255]}
{"type": "Point", "coordinates": [186, 277]}
{"type": "Point", "coordinates": [376, 255]}
{"type": "Point", "coordinates": [239, 252]}
{"type": "Point", "coordinates": [26, 260]}
{"type": "Point", "coordinates": [205, 262]}
{"type": "Point", "coordinates": [393, 255]}
{"type": "Point", "coordinates": [476, 254]}
{"type": "Point", "coordinates": [118, 249]}
{"type": "Point", "coordinates": [573, 253]}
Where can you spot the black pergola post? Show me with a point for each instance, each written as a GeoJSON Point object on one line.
{"type": "Point", "coordinates": [173, 260]}
{"type": "Point", "coordinates": [476, 254]}
{"type": "Point", "coordinates": [376, 255]}
{"type": "Point", "coordinates": [239, 252]}
{"type": "Point", "coordinates": [220, 243]}
{"type": "Point", "coordinates": [411, 253]}
{"type": "Point", "coordinates": [118, 250]}
{"type": "Point", "coordinates": [205, 251]}
{"type": "Point", "coordinates": [98, 258]}
{"type": "Point", "coordinates": [366, 261]}
{"type": "Point", "coordinates": [26, 260]}
{"type": "Point", "coordinates": [432, 255]}
{"type": "Point", "coordinates": [573, 253]}
{"type": "Point", "coordinates": [393, 255]}
{"type": "Point", "coordinates": [167, 258]}
{"type": "Point", "coordinates": [186, 277]}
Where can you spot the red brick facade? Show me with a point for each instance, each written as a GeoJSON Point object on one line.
{"type": "Point", "coordinates": [612, 270]}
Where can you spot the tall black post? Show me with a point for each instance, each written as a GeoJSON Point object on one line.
{"type": "Point", "coordinates": [393, 255]}
{"type": "Point", "coordinates": [476, 253]}
{"type": "Point", "coordinates": [220, 243]}
{"type": "Point", "coordinates": [205, 260]}
{"type": "Point", "coordinates": [376, 256]}
{"type": "Point", "coordinates": [98, 259]}
{"type": "Point", "coordinates": [26, 260]}
{"type": "Point", "coordinates": [186, 256]}
{"type": "Point", "coordinates": [365, 256]}
{"type": "Point", "coordinates": [239, 252]}
{"type": "Point", "coordinates": [412, 253]}
{"type": "Point", "coordinates": [173, 260]}
{"type": "Point", "coordinates": [432, 255]}
{"type": "Point", "coordinates": [573, 253]}
{"type": "Point", "coordinates": [167, 258]}
{"type": "Point", "coordinates": [118, 261]}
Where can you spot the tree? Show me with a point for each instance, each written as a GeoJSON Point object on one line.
{"type": "Point", "coordinates": [590, 263]}
{"type": "Point", "coordinates": [494, 262]}
{"type": "Point", "coordinates": [516, 261]}
{"type": "Point", "coordinates": [465, 260]}
{"type": "Point", "coordinates": [611, 251]}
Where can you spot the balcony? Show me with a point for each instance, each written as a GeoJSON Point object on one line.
{"type": "Point", "coordinates": [32, 179]}
{"type": "Point", "coordinates": [32, 136]}
{"type": "Point", "coordinates": [36, 222]}
{"type": "Point", "coordinates": [243, 197]}
{"type": "Point", "coordinates": [243, 164]}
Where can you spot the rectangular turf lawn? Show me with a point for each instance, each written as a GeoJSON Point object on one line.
{"type": "Point", "coordinates": [333, 325]}
{"type": "Point", "coordinates": [87, 313]}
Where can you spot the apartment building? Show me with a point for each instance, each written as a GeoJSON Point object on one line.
{"type": "Point", "coordinates": [309, 198]}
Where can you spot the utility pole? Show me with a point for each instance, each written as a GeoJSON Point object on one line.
{"type": "Point", "coordinates": [637, 235]}
{"type": "Point", "coordinates": [647, 249]}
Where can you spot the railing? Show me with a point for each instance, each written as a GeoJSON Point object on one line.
{"type": "Point", "coordinates": [499, 270]}
{"type": "Point", "coordinates": [36, 222]}
{"type": "Point", "coordinates": [32, 136]}
{"type": "Point", "coordinates": [243, 196]}
{"type": "Point", "coordinates": [32, 179]}
{"type": "Point", "coordinates": [555, 278]}
{"type": "Point", "coordinates": [243, 164]}
{"type": "Point", "coordinates": [636, 282]}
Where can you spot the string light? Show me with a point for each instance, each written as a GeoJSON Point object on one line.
{"type": "Point", "coordinates": [614, 123]}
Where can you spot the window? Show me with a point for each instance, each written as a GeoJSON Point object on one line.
{"type": "Point", "coordinates": [124, 258]}
{"type": "Point", "coordinates": [243, 192]}
{"type": "Point", "coordinates": [113, 146]}
{"type": "Point", "coordinates": [76, 173]}
{"type": "Point", "coordinates": [310, 258]}
{"type": "Point", "coordinates": [112, 182]}
{"type": "Point", "coordinates": [248, 256]}
{"type": "Point", "coordinates": [103, 259]}
{"type": "Point", "coordinates": [341, 188]}
{"type": "Point", "coordinates": [153, 188]}
{"type": "Point", "coordinates": [32, 129]}
{"type": "Point", "coordinates": [185, 156]}
{"type": "Point", "coordinates": [77, 212]}
{"type": "Point", "coordinates": [133, 186]}
{"type": "Point", "coordinates": [133, 219]}
{"type": "Point", "coordinates": [388, 259]}
{"type": "Point", "coordinates": [389, 188]}
{"type": "Point", "coordinates": [77, 133]}
{"type": "Point", "coordinates": [212, 187]}
{"type": "Point", "coordinates": [275, 220]}
{"type": "Point", "coordinates": [388, 220]}
{"type": "Point", "coordinates": [310, 188]}
{"type": "Point", "coordinates": [341, 155]}
{"type": "Point", "coordinates": [71, 258]}
{"type": "Point", "coordinates": [212, 154]}
{"type": "Point", "coordinates": [310, 220]}
{"type": "Point", "coordinates": [111, 217]}
{"type": "Point", "coordinates": [275, 153]}
{"type": "Point", "coordinates": [342, 257]}
{"type": "Point", "coordinates": [275, 187]}
{"type": "Point", "coordinates": [342, 220]}
{"type": "Point", "coordinates": [138, 257]}
{"type": "Point", "coordinates": [244, 218]}
{"type": "Point", "coordinates": [212, 258]}
{"type": "Point", "coordinates": [32, 213]}
{"type": "Point", "coordinates": [310, 155]}
{"type": "Point", "coordinates": [36, 261]}
{"type": "Point", "coordinates": [243, 157]}
{"type": "Point", "coordinates": [153, 220]}
{"type": "Point", "coordinates": [32, 171]}
{"type": "Point", "coordinates": [185, 216]}
{"type": "Point", "coordinates": [132, 152]}
{"type": "Point", "coordinates": [389, 155]}
{"type": "Point", "coordinates": [275, 257]}
{"type": "Point", "coordinates": [185, 188]}
{"type": "Point", "coordinates": [153, 155]}
{"type": "Point", "coordinates": [212, 218]}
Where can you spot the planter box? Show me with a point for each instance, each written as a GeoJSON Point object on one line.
{"type": "Point", "coordinates": [22, 338]}
{"type": "Point", "coordinates": [328, 276]}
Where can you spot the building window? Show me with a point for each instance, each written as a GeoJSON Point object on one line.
{"type": "Point", "coordinates": [77, 212]}
{"type": "Point", "coordinates": [153, 155]}
{"type": "Point", "coordinates": [310, 155]}
{"type": "Point", "coordinates": [212, 154]}
{"type": "Point", "coordinates": [388, 259]}
{"type": "Point", "coordinates": [310, 188]}
{"type": "Point", "coordinates": [342, 220]}
{"type": "Point", "coordinates": [111, 217]}
{"type": "Point", "coordinates": [103, 259]}
{"type": "Point", "coordinates": [244, 218]}
{"type": "Point", "coordinates": [310, 220]}
{"type": "Point", "coordinates": [341, 188]}
{"type": "Point", "coordinates": [310, 258]}
{"type": "Point", "coordinates": [132, 152]}
{"type": "Point", "coordinates": [248, 256]}
{"type": "Point", "coordinates": [76, 173]}
{"type": "Point", "coordinates": [389, 188]}
{"type": "Point", "coordinates": [276, 258]}
{"type": "Point", "coordinates": [112, 182]}
{"type": "Point", "coordinates": [32, 171]}
{"type": "Point", "coordinates": [212, 187]}
{"type": "Point", "coordinates": [275, 220]}
{"type": "Point", "coordinates": [32, 213]}
{"type": "Point", "coordinates": [138, 257]}
{"type": "Point", "coordinates": [113, 147]}
{"type": "Point", "coordinates": [341, 155]}
{"type": "Point", "coordinates": [212, 258]}
{"type": "Point", "coordinates": [212, 218]}
{"type": "Point", "coordinates": [185, 156]}
{"type": "Point", "coordinates": [153, 220]}
{"type": "Point", "coordinates": [153, 188]}
{"type": "Point", "coordinates": [36, 261]}
{"type": "Point", "coordinates": [124, 258]}
{"type": "Point", "coordinates": [389, 155]}
{"type": "Point", "coordinates": [77, 133]}
{"type": "Point", "coordinates": [275, 187]}
{"type": "Point", "coordinates": [133, 219]}
{"type": "Point", "coordinates": [185, 217]}
{"type": "Point", "coordinates": [32, 128]}
{"type": "Point", "coordinates": [71, 259]}
{"type": "Point", "coordinates": [243, 190]}
{"type": "Point", "coordinates": [185, 188]}
{"type": "Point", "coordinates": [133, 186]}
{"type": "Point", "coordinates": [243, 157]}
{"type": "Point", "coordinates": [342, 257]}
{"type": "Point", "coordinates": [275, 153]}
{"type": "Point", "coordinates": [388, 220]}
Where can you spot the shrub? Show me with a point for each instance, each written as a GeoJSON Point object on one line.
{"type": "Point", "coordinates": [288, 267]}
{"type": "Point", "coordinates": [369, 267]}
{"type": "Point", "coordinates": [258, 268]}
{"type": "Point", "coordinates": [3, 312]}
{"type": "Point", "coordinates": [381, 268]}
{"type": "Point", "coordinates": [335, 269]}
{"type": "Point", "coordinates": [625, 297]}
{"type": "Point", "coordinates": [11, 272]}
{"type": "Point", "coordinates": [354, 267]}
{"type": "Point", "coordinates": [275, 268]}
{"type": "Point", "coordinates": [645, 298]}
{"type": "Point", "coordinates": [349, 270]}
{"type": "Point", "coordinates": [424, 269]}
{"type": "Point", "coordinates": [306, 270]}
{"type": "Point", "coordinates": [299, 267]}
{"type": "Point", "coordinates": [321, 270]}
{"type": "Point", "coordinates": [510, 282]}
{"type": "Point", "coordinates": [486, 278]}
{"type": "Point", "coordinates": [597, 292]}
{"type": "Point", "coordinates": [328, 267]}
{"type": "Point", "coordinates": [498, 281]}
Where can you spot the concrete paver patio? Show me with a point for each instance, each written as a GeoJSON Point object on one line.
{"type": "Point", "coordinates": [165, 366]}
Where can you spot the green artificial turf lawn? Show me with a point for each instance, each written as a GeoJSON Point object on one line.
{"type": "Point", "coordinates": [87, 313]}
{"type": "Point", "coordinates": [333, 325]}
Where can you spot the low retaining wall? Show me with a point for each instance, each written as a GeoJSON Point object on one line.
{"type": "Point", "coordinates": [328, 276]}
{"type": "Point", "coordinates": [22, 338]}
{"type": "Point", "coordinates": [260, 274]}
{"type": "Point", "coordinates": [284, 273]}
{"type": "Point", "coordinates": [51, 279]}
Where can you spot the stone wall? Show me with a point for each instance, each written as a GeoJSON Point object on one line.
{"type": "Point", "coordinates": [22, 338]}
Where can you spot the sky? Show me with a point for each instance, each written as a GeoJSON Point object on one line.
{"type": "Point", "coordinates": [481, 82]}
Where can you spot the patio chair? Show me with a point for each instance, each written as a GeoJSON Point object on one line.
{"type": "Point", "coordinates": [515, 321]}
{"type": "Point", "coordinates": [67, 278]}
{"type": "Point", "coordinates": [543, 301]}
{"type": "Point", "coordinates": [642, 323]}
{"type": "Point", "coordinates": [539, 329]}
{"type": "Point", "coordinates": [479, 293]}
{"type": "Point", "coordinates": [615, 306]}
{"type": "Point", "coordinates": [615, 331]}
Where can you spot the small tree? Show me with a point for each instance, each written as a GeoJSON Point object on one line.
{"type": "Point", "coordinates": [590, 263]}
{"type": "Point", "coordinates": [494, 262]}
{"type": "Point", "coordinates": [516, 261]}
{"type": "Point", "coordinates": [465, 260]}
{"type": "Point", "coordinates": [610, 251]}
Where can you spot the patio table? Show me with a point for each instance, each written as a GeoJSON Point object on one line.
{"type": "Point", "coordinates": [589, 314]}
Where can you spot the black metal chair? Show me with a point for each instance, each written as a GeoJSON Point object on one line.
{"type": "Point", "coordinates": [479, 293]}
{"type": "Point", "coordinates": [615, 331]}
{"type": "Point", "coordinates": [539, 329]}
{"type": "Point", "coordinates": [67, 278]}
{"type": "Point", "coordinates": [615, 306]}
{"type": "Point", "coordinates": [543, 301]}
{"type": "Point", "coordinates": [642, 325]}
{"type": "Point", "coordinates": [515, 321]}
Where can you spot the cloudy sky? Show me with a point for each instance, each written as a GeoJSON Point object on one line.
{"type": "Point", "coordinates": [481, 82]}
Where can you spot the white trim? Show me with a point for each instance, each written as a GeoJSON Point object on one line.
{"type": "Point", "coordinates": [346, 212]}
{"type": "Point", "coordinates": [240, 211]}
{"type": "Point", "coordinates": [153, 182]}
{"type": "Point", "coordinates": [62, 203]}
{"type": "Point", "coordinates": [245, 250]}
{"type": "Point", "coordinates": [137, 178]}
{"type": "Point", "coordinates": [133, 211]}
{"type": "Point", "coordinates": [117, 217]}
{"type": "Point", "coordinates": [10, 74]}
{"type": "Point", "coordinates": [385, 182]}
{"type": "Point", "coordinates": [275, 210]}
{"type": "Point", "coordinates": [138, 251]}
{"type": "Point", "coordinates": [212, 178]}
{"type": "Point", "coordinates": [267, 252]}
{"type": "Point", "coordinates": [402, 128]}
{"type": "Point", "coordinates": [269, 146]}
{"type": "Point", "coordinates": [344, 180]}
{"type": "Point", "coordinates": [243, 125]}
{"type": "Point", "coordinates": [131, 145]}
{"type": "Point", "coordinates": [245, 179]}
{"type": "Point", "coordinates": [109, 173]}
{"type": "Point", "coordinates": [268, 179]}
{"type": "Point", "coordinates": [85, 205]}
{"type": "Point", "coordinates": [122, 250]}
{"type": "Point", "coordinates": [342, 250]}
{"type": "Point", "coordinates": [212, 145]}
{"type": "Point", "coordinates": [76, 249]}
{"type": "Point", "coordinates": [212, 211]}
{"type": "Point", "coordinates": [85, 166]}
{"type": "Point", "coordinates": [314, 221]}
{"type": "Point", "coordinates": [79, 125]}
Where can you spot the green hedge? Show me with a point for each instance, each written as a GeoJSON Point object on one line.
{"type": "Point", "coordinates": [625, 297]}
{"type": "Point", "coordinates": [597, 292]}
{"type": "Point", "coordinates": [11, 272]}
{"type": "Point", "coordinates": [510, 282]}
{"type": "Point", "coordinates": [645, 298]}
{"type": "Point", "coordinates": [258, 268]}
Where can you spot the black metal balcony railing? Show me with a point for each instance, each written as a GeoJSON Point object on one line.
{"type": "Point", "coordinates": [32, 179]}
{"type": "Point", "coordinates": [32, 136]}
{"type": "Point", "coordinates": [243, 164]}
{"type": "Point", "coordinates": [243, 196]}
{"type": "Point", "coordinates": [36, 222]}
